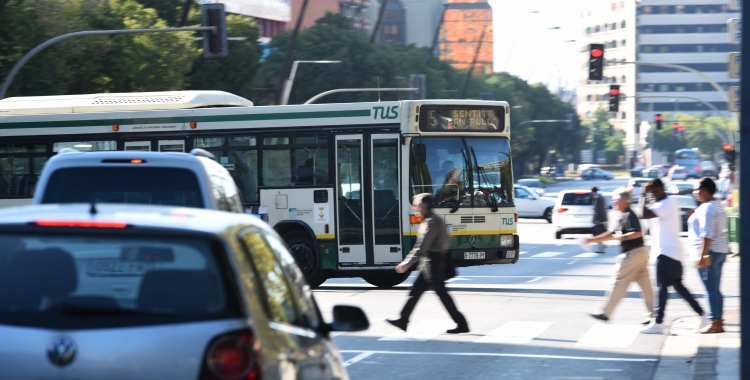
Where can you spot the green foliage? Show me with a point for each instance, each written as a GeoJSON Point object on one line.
{"type": "Point", "coordinates": [701, 131]}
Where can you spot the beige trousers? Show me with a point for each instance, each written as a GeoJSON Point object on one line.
{"type": "Point", "coordinates": [633, 268]}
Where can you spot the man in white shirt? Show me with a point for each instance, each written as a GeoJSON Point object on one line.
{"type": "Point", "coordinates": [665, 245]}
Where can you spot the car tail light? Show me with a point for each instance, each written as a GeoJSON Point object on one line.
{"type": "Point", "coordinates": [79, 223]}
{"type": "Point", "coordinates": [516, 216]}
{"type": "Point", "coordinates": [697, 168]}
{"type": "Point", "coordinates": [235, 355]}
{"type": "Point", "coordinates": [561, 209]}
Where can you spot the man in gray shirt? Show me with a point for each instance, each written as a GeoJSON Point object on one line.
{"type": "Point", "coordinates": [600, 217]}
{"type": "Point", "coordinates": [430, 256]}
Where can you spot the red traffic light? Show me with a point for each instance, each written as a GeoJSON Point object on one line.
{"type": "Point", "coordinates": [681, 128]}
{"type": "Point", "coordinates": [614, 91]}
{"type": "Point", "coordinates": [726, 147]}
{"type": "Point", "coordinates": [596, 53]}
{"type": "Point", "coordinates": [657, 117]}
{"type": "Point", "coordinates": [675, 125]}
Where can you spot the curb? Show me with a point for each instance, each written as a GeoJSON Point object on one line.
{"type": "Point", "coordinates": [679, 350]}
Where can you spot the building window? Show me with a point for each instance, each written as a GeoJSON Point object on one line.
{"type": "Point", "coordinates": [679, 88]}
{"type": "Point", "coordinates": [699, 87]}
{"type": "Point", "coordinates": [614, 26]}
{"type": "Point", "coordinates": [622, 24]}
{"type": "Point", "coordinates": [647, 10]}
{"type": "Point", "coordinates": [663, 88]}
{"type": "Point", "coordinates": [679, 9]}
{"type": "Point", "coordinates": [664, 49]}
{"type": "Point", "coordinates": [596, 29]}
{"type": "Point", "coordinates": [699, 48]}
{"type": "Point", "coordinates": [588, 97]}
{"type": "Point", "coordinates": [664, 9]}
{"type": "Point", "coordinates": [648, 49]}
{"type": "Point", "coordinates": [622, 43]}
{"type": "Point", "coordinates": [623, 79]}
{"type": "Point", "coordinates": [624, 115]}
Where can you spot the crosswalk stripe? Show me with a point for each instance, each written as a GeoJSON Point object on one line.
{"type": "Point", "coordinates": [515, 332]}
{"type": "Point", "coordinates": [422, 331]}
{"type": "Point", "coordinates": [609, 335]}
{"type": "Point", "coordinates": [587, 254]}
{"type": "Point", "coordinates": [548, 254]}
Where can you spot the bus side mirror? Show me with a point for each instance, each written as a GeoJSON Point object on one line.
{"type": "Point", "coordinates": [419, 153]}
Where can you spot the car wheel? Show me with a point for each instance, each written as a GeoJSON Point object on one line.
{"type": "Point", "coordinates": [386, 280]}
{"type": "Point", "coordinates": [548, 215]}
{"type": "Point", "coordinates": [558, 235]}
{"type": "Point", "coordinates": [303, 250]}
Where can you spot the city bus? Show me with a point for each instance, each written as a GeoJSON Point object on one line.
{"type": "Point", "coordinates": [690, 159]}
{"type": "Point", "coordinates": [334, 180]}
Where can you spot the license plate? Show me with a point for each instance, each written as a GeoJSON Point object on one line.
{"type": "Point", "coordinates": [473, 255]}
{"type": "Point", "coordinates": [510, 254]}
{"type": "Point", "coordinates": [583, 216]}
{"type": "Point", "coordinates": [115, 267]}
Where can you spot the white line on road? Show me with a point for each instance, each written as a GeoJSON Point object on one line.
{"type": "Point", "coordinates": [609, 336]}
{"type": "Point", "coordinates": [641, 360]}
{"type": "Point", "coordinates": [573, 262]}
{"type": "Point", "coordinates": [548, 254]}
{"type": "Point", "coordinates": [357, 358]}
{"type": "Point", "coordinates": [515, 332]}
{"type": "Point", "coordinates": [535, 279]}
{"type": "Point", "coordinates": [587, 254]}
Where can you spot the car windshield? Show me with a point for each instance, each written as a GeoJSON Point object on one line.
{"type": "Point", "coordinates": [686, 155]}
{"type": "Point", "coordinates": [686, 202]}
{"type": "Point", "coordinates": [465, 172]}
{"type": "Point", "coordinates": [577, 199]}
{"type": "Point", "coordinates": [92, 281]}
{"type": "Point", "coordinates": [141, 185]}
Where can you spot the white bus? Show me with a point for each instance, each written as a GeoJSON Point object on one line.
{"type": "Point", "coordinates": [335, 180]}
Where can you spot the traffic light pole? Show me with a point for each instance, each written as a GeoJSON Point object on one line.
{"type": "Point", "coordinates": [33, 52]}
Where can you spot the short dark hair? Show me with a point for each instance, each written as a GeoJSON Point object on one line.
{"type": "Point", "coordinates": [708, 184]}
{"type": "Point", "coordinates": [424, 199]}
{"type": "Point", "coordinates": [657, 183]}
{"type": "Point", "coordinates": [594, 189]}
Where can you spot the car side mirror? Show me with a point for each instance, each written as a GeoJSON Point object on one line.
{"type": "Point", "coordinates": [349, 318]}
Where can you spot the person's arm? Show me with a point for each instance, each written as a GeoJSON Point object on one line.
{"type": "Point", "coordinates": [705, 233]}
{"type": "Point", "coordinates": [421, 247]}
{"type": "Point", "coordinates": [601, 238]}
{"type": "Point", "coordinates": [645, 211]}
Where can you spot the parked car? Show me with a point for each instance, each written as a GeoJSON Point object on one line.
{"type": "Point", "coordinates": [152, 292]}
{"type": "Point", "coordinates": [637, 171]}
{"type": "Point", "coordinates": [708, 169]}
{"type": "Point", "coordinates": [664, 169]}
{"type": "Point", "coordinates": [596, 173]}
{"type": "Point", "coordinates": [677, 172]}
{"type": "Point", "coordinates": [652, 172]}
{"type": "Point", "coordinates": [573, 213]}
{"type": "Point", "coordinates": [534, 184]}
{"type": "Point", "coordinates": [687, 204]}
{"type": "Point", "coordinates": [532, 205]}
{"type": "Point", "coordinates": [548, 171]}
{"type": "Point", "coordinates": [172, 179]}
{"type": "Point", "coordinates": [680, 189]}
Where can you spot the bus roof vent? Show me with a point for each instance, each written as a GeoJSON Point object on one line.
{"type": "Point", "coordinates": [143, 101]}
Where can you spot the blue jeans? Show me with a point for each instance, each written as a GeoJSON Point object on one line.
{"type": "Point", "coordinates": [711, 277]}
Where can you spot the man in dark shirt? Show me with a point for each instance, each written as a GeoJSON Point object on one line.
{"type": "Point", "coordinates": [430, 256]}
{"type": "Point", "coordinates": [634, 266]}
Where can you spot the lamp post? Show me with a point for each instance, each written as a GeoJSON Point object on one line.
{"type": "Point", "coordinates": [290, 81]}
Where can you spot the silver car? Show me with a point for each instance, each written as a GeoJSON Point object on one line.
{"type": "Point", "coordinates": [95, 291]}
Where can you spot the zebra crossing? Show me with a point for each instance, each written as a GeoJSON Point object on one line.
{"type": "Point", "coordinates": [573, 254]}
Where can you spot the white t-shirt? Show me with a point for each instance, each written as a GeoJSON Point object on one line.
{"type": "Point", "coordinates": [708, 221]}
{"type": "Point", "coordinates": [666, 228]}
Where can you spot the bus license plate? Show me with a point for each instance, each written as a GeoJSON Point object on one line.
{"type": "Point", "coordinates": [473, 255]}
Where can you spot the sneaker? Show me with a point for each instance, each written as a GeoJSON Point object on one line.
{"type": "Point", "coordinates": [704, 322]}
{"type": "Point", "coordinates": [459, 329]}
{"type": "Point", "coordinates": [600, 317]}
{"type": "Point", "coordinates": [653, 328]}
{"type": "Point", "coordinates": [646, 322]}
{"type": "Point", "coordinates": [400, 323]}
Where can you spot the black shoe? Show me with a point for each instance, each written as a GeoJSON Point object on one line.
{"type": "Point", "coordinates": [600, 317]}
{"type": "Point", "coordinates": [400, 323]}
{"type": "Point", "coordinates": [459, 329]}
{"type": "Point", "coordinates": [646, 323]}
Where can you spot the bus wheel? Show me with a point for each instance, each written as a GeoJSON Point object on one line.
{"type": "Point", "coordinates": [304, 253]}
{"type": "Point", "coordinates": [387, 280]}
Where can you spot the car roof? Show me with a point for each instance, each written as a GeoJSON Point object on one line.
{"type": "Point", "coordinates": [161, 217]}
{"type": "Point", "coordinates": [154, 157]}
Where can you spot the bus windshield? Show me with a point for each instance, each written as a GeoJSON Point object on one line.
{"type": "Point", "coordinates": [465, 171]}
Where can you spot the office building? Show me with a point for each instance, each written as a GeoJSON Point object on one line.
{"type": "Point", "coordinates": [272, 15]}
{"type": "Point", "coordinates": [355, 10]}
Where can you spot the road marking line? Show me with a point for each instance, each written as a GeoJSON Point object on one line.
{"type": "Point", "coordinates": [548, 254]}
{"type": "Point", "coordinates": [535, 279]}
{"type": "Point", "coordinates": [523, 252]}
{"type": "Point", "coordinates": [601, 335]}
{"type": "Point", "coordinates": [357, 358]}
{"type": "Point", "coordinates": [573, 262]}
{"type": "Point", "coordinates": [587, 254]}
{"type": "Point", "coordinates": [422, 331]}
{"type": "Point", "coordinates": [515, 332]}
{"type": "Point", "coordinates": [506, 355]}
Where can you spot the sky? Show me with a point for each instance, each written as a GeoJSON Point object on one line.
{"type": "Point", "coordinates": [525, 47]}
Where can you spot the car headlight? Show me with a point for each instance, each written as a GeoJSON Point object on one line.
{"type": "Point", "coordinates": [506, 240]}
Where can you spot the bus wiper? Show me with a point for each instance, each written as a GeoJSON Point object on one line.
{"type": "Point", "coordinates": [482, 174]}
{"type": "Point", "coordinates": [457, 200]}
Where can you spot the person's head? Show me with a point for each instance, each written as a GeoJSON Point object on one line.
{"type": "Point", "coordinates": [594, 190]}
{"type": "Point", "coordinates": [656, 187]}
{"type": "Point", "coordinates": [447, 165]}
{"type": "Point", "coordinates": [621, 199]}
{"type": "Point", "coordinates": [705, 191]}
{"type": "Point", "coordinates": [309, 162]}
{"type": "Point", "coordinates": [422, 203]}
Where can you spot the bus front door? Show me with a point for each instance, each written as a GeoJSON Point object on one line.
{"type": "Point", "coordinates": [386, 205]}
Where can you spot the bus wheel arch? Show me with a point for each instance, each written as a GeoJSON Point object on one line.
{"type": "Point", "coordinates": [301, 242]}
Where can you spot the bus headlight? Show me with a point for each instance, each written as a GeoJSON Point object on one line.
{"type": "Point", "coordinates": [506, 240]}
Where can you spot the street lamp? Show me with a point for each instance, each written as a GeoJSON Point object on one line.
{"type": "Point", "coordinates": [290, 81]}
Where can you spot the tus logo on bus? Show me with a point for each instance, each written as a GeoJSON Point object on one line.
{"type": "Point", "coordinates": [508, 221]}
{"type": "Point", "coordinates": [385, 112]}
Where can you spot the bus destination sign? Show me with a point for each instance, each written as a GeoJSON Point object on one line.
{"type": "Point", "coordinates": [443, 119]}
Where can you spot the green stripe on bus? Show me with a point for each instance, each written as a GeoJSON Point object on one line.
{"type": "Point", "coordinates": [187, 119]}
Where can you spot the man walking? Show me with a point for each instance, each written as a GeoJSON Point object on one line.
{"type": "Point", "coordinates": [634, 266]}
{"type": "Point", "coordinates": [600, 217]}
{"type": "Point", "coordinates": [665, 243]}
{"type": "Point", "coordinates": [431, 257]}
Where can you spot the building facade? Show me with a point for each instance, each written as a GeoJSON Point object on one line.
{"type": "Point", "coordinates": [407, 21]}
{"type": "Point", "coordinates": [355, 10]}
{"type": "Point", "coordinates": [272, 15]}
{"type": "Point", "coordinates": [466, 36]}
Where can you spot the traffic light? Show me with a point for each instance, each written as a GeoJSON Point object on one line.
{"type": "Point", "coordinates": [611, 130]}
{"type": "Point", "coordinates": [681, 131]}
{"type": "Point", "coordinates": [214, 42]}
{"type": "Point", "coordinates": [729, 155]}
{"type": "Point", "coordinates": [657, 118]}
{"type": "Point", "coordinates": [675, 129]}
{"type": "Point", "coordinates": [596, 61]}
{"type": "Point", "coordinates": [614, 97]}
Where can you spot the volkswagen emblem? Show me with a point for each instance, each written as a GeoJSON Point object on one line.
{"type": "Point", "coordinates": [61, 350]}
{"type": "Point", "coordinates": [472, 241]}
